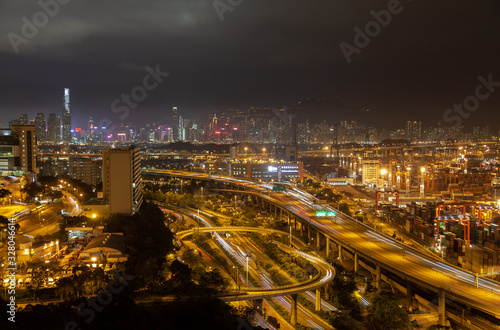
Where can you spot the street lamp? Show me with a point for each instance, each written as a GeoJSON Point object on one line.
{"type": "Point", "coordinates": [408, 191]}
{"type": "Point", "coordinates": [198, 221]}
{"type": "Point", "coordinates": [247, 271]}
{"type": "Point", "coordinates": [237, 276]}
{"type": "Point", "coordinates": [422, 184]}
{"type": "Point", "coordinates": [383, 172]}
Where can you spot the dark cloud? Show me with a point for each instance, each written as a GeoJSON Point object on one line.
{"type": "Point", "coordinates": [271, 52]}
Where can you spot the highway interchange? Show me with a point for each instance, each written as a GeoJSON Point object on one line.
{"type": "Point", "coordinates": [412, 264]}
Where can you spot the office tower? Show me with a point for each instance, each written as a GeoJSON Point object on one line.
{"type": "Point", "coordinates": [66, 117]}
{"type": "Point", "coordinates": [194, 132]}
{"type": "Point", "coordinates": [181, 136]}
{"type": "Point", "coordinates": [91, 126]}
{"type": "Point", "coordinates": [371, 171]}
{"type": "Point", "coordinates": [40, 127]}
{"type": "Point", "coordinates": [122, 179]}
{"type": "Point", "coordinates": [27, 147]}
{"type": "Point", "coordinates": [175, 122]}
{"type": "Point", "coordinates": [23, 120]}
{"type": "Point", "coordinates": [54, 128]}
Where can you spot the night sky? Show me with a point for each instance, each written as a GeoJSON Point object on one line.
{"type": "Point", "coordinates": [264, 53]}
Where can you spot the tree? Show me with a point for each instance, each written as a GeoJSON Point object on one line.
{"type": "Point", "coordinates": [214, 280]}
{"type": "Point", "coordinates": [180, 271]}
{"type": "Point", "coordinates": [344, 208]}
{"type": "Point", "coordinates": [32, 190]}
{"type": "Point", "coordinates": [65, 287]}
{"type": "Point", "coordinates": [342, 289]}
{"type": "Point", "coordinates": [56, 195]}
{"type": "Point", "coordinates": [385, 313]}
{"type": "Point", "coordinates": [190, 257]}
{"type": "Point", "coordinates": [4, 222]}
{"type": "Point", "coordinates": [4, 193]}
{"type": "Point", "coordinates": [148, 241]}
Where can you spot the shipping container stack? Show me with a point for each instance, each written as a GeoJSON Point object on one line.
{"type": "Point", "coordinates": [481, 260]}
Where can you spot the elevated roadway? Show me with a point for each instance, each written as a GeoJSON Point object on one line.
{"type": "Point", "coordinates": [325, 276]}
{"type": "Point", "coordinates": [380, 252]}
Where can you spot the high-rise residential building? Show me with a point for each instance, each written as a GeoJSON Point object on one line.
{"type": "Point", "coordinates": [40, 127]}
{"type": "Point", "coordinates": [84, 169]}
{"type": "Point", "coordinates": [175, 122]}
{"type": "Point", "coordinates": [26, 156]}
{"type": "Point", "coordinates": [413, 130]}
{"type": "Point", "coordinates": [54, 128]}
{"type": "Point", "coordinates": [66, 117]}
{"type": "Point", "coordinates": [23, 120]}
{"type": "Point", "coordinates": [121, 177]}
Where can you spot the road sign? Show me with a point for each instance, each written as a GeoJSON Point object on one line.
{"type": "Point", "coordinates": [321, 213]}
{"type": "Point", "coordinates": [330, 214]}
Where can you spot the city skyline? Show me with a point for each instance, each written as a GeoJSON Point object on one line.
{"type": "Point", "coordinates": [292, 52]}
{"type": "Point", "coordinates": [230, 164]}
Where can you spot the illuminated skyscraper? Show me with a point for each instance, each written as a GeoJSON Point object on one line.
{"type": "Point", "coordinates": [40, 127]}
{"type": "Point", "coordinates": [91, 126]}
{"type": "Point", "coordinates": [66, 117]}
{"type": "Point", "coordinates": [175, 123]}
{"type": "Point", "coordinates": [54, 128]}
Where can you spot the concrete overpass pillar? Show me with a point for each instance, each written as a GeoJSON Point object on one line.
{"type": "Point", "coordinates": [442, 308]}
{"type": "Point", "coordinates": [340, 254]}
{"type": "Point", "coordinates": [409, 296]}
{"type": "Point", "coordinates": [318, 300]}
{"type": "Point", "coordinates": [257, 305]}
{"type": "Point", "coordinates": [309, 233]}
{"type": "Point", "coordinates": [356, 263]}
{"type": "Point", "coordinates": [293, 313]}
{"type": "Point", "coordinates": [301, 227]}
{"type": "Point", "coordinates": [378, 277]}
{"type": "Point", "coordinates": [327, 246]}
{"type": "Point", "coordinates": [317, 240]}
{"type": "Point", "coordinates": [288, 218]}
